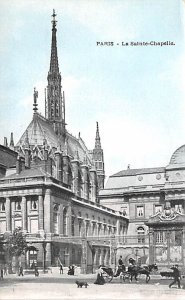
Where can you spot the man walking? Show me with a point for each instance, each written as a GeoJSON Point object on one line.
{"type": "Point", "coordinates": [61, 268]}
{"type": "Point", "coordinates": [2, 274]}
{"type": "Point", "coordinates": [21, 271]}
{"type": "Point", "coordinates": [176, 275]}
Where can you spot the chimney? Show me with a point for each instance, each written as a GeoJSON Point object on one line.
{"type": "Point", "coordinates": [18, 165]}
{"type": "Point", "coordinates": [27, 157]}
{"type": "Point", "coordinates": [5, 142]}
{"type": "Point", "coordinates": [11, 141]}
{"type": "Point", "coordinates": [22, 163]}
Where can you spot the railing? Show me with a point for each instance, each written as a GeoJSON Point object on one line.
{"type": "Point", "coordinates": [118, 240]}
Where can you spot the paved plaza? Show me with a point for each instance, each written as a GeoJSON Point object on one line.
{"type": "Point", "coordinates": [55, 286]}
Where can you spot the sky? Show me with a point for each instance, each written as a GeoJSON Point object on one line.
{"type": "Point", "coordinates": [136, 93]}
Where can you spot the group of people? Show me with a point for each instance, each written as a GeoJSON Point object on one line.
{"type": "Point", "coordinates": [71, 269]}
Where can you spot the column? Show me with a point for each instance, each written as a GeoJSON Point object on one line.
{"type": "Point", "coordinates": [84, 256]}
{"type": "Point", "coordinates": [118, 230]}
{"type": "Point", "coordinates": [183, 245]}
{"type": "Point", "coordinates": [47, 254]}
{"type": "Point", "coordinates": [24, 214]}
{"type": "Point", "coordinates": [151, 246]}
{"type": "Point", "coordinates": [8, 214]}
{"type": "Point", "coordinates": [47, 211]}
{"type": "Point", "coordinates": [41, 212]}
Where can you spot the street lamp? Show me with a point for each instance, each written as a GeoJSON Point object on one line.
{"type": "Point", "coordinates": [44, 254]}
{"type": "Point", "coordinates": [136, 255]}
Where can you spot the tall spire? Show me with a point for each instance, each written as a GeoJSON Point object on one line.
{"type": "Point", "coordinates": [97, 139]}
{"type": "Point", "coordinates": [54, 98]}
{"type": "Point", "coordinates": [54, 68]}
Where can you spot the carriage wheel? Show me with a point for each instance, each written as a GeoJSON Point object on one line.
{"type": "Point", "coordinates": [108, 278]}
{"type": "Point", "coordinates": [147, 278]}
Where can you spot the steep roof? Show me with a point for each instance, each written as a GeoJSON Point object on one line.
{"type": "Point", "coordinates": [38, 130]}
{"type": "Point", "coordinates": [41, 129]}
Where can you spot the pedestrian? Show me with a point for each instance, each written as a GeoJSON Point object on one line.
{"type": "Point", "coordinates": [21, 271]}
{"type": "Point", "coordinates": [61, 268]}
{"type": "Point", "coordinates": [176, 276]}
{"type": "Point", "coordinates": [1, 273]}
{"type": "Point", "coordinates": [5, 270]}
{"type": "Point", "coordinates": [36, 271]}
{"type": "Point", "coordinates": [100, 279]}
{"type": "Point", "coordinates": [120, 261]}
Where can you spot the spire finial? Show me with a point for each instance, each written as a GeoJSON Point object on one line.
{"type": "Point", "coordinates": [35, 96]}
{"type": "Point", "coordinates": [54, 21]}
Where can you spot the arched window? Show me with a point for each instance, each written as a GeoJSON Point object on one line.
{"type": "Point", "coordinates": [55, 218]}
{"type": "Point", "coordinates": [141, 232]}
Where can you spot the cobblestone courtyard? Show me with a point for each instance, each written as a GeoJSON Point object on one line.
{"type": "Point", "coordinates": [55, 286]}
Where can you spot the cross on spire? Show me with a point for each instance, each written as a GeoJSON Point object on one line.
{"type": "Point", "coordinates": [54, 21]}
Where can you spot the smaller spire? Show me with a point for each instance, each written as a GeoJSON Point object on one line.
{"type": "Point", "coordinates": [11, 141]}
{"type": "Point", "coordinates": [97, 140]}
{"type": "Point", "coordinates": [35, 96]}
{"type": "Point", "coordinates": [27, 145]}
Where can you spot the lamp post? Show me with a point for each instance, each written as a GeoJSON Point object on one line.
{"type": "Point", "coordinates": [136, 255]}
{"type": "Point", "coordinates": [44, 253]}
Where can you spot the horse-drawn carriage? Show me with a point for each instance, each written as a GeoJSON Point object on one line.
{"type": "Point", "coordinates": [132, 271]}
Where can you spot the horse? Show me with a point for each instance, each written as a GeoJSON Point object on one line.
{"type": "Point", "coordinates": [135, 270]}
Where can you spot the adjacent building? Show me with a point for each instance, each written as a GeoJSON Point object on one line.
{"type": "Point", "coordinates": [154, 201]}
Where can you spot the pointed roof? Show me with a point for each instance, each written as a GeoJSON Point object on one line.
{"type": "Point", "coordinates": [38, 131]}
{"type": "Point", "coordinates": [97, 139]}
{"type": "Point", "coordinates": [54, 67]}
